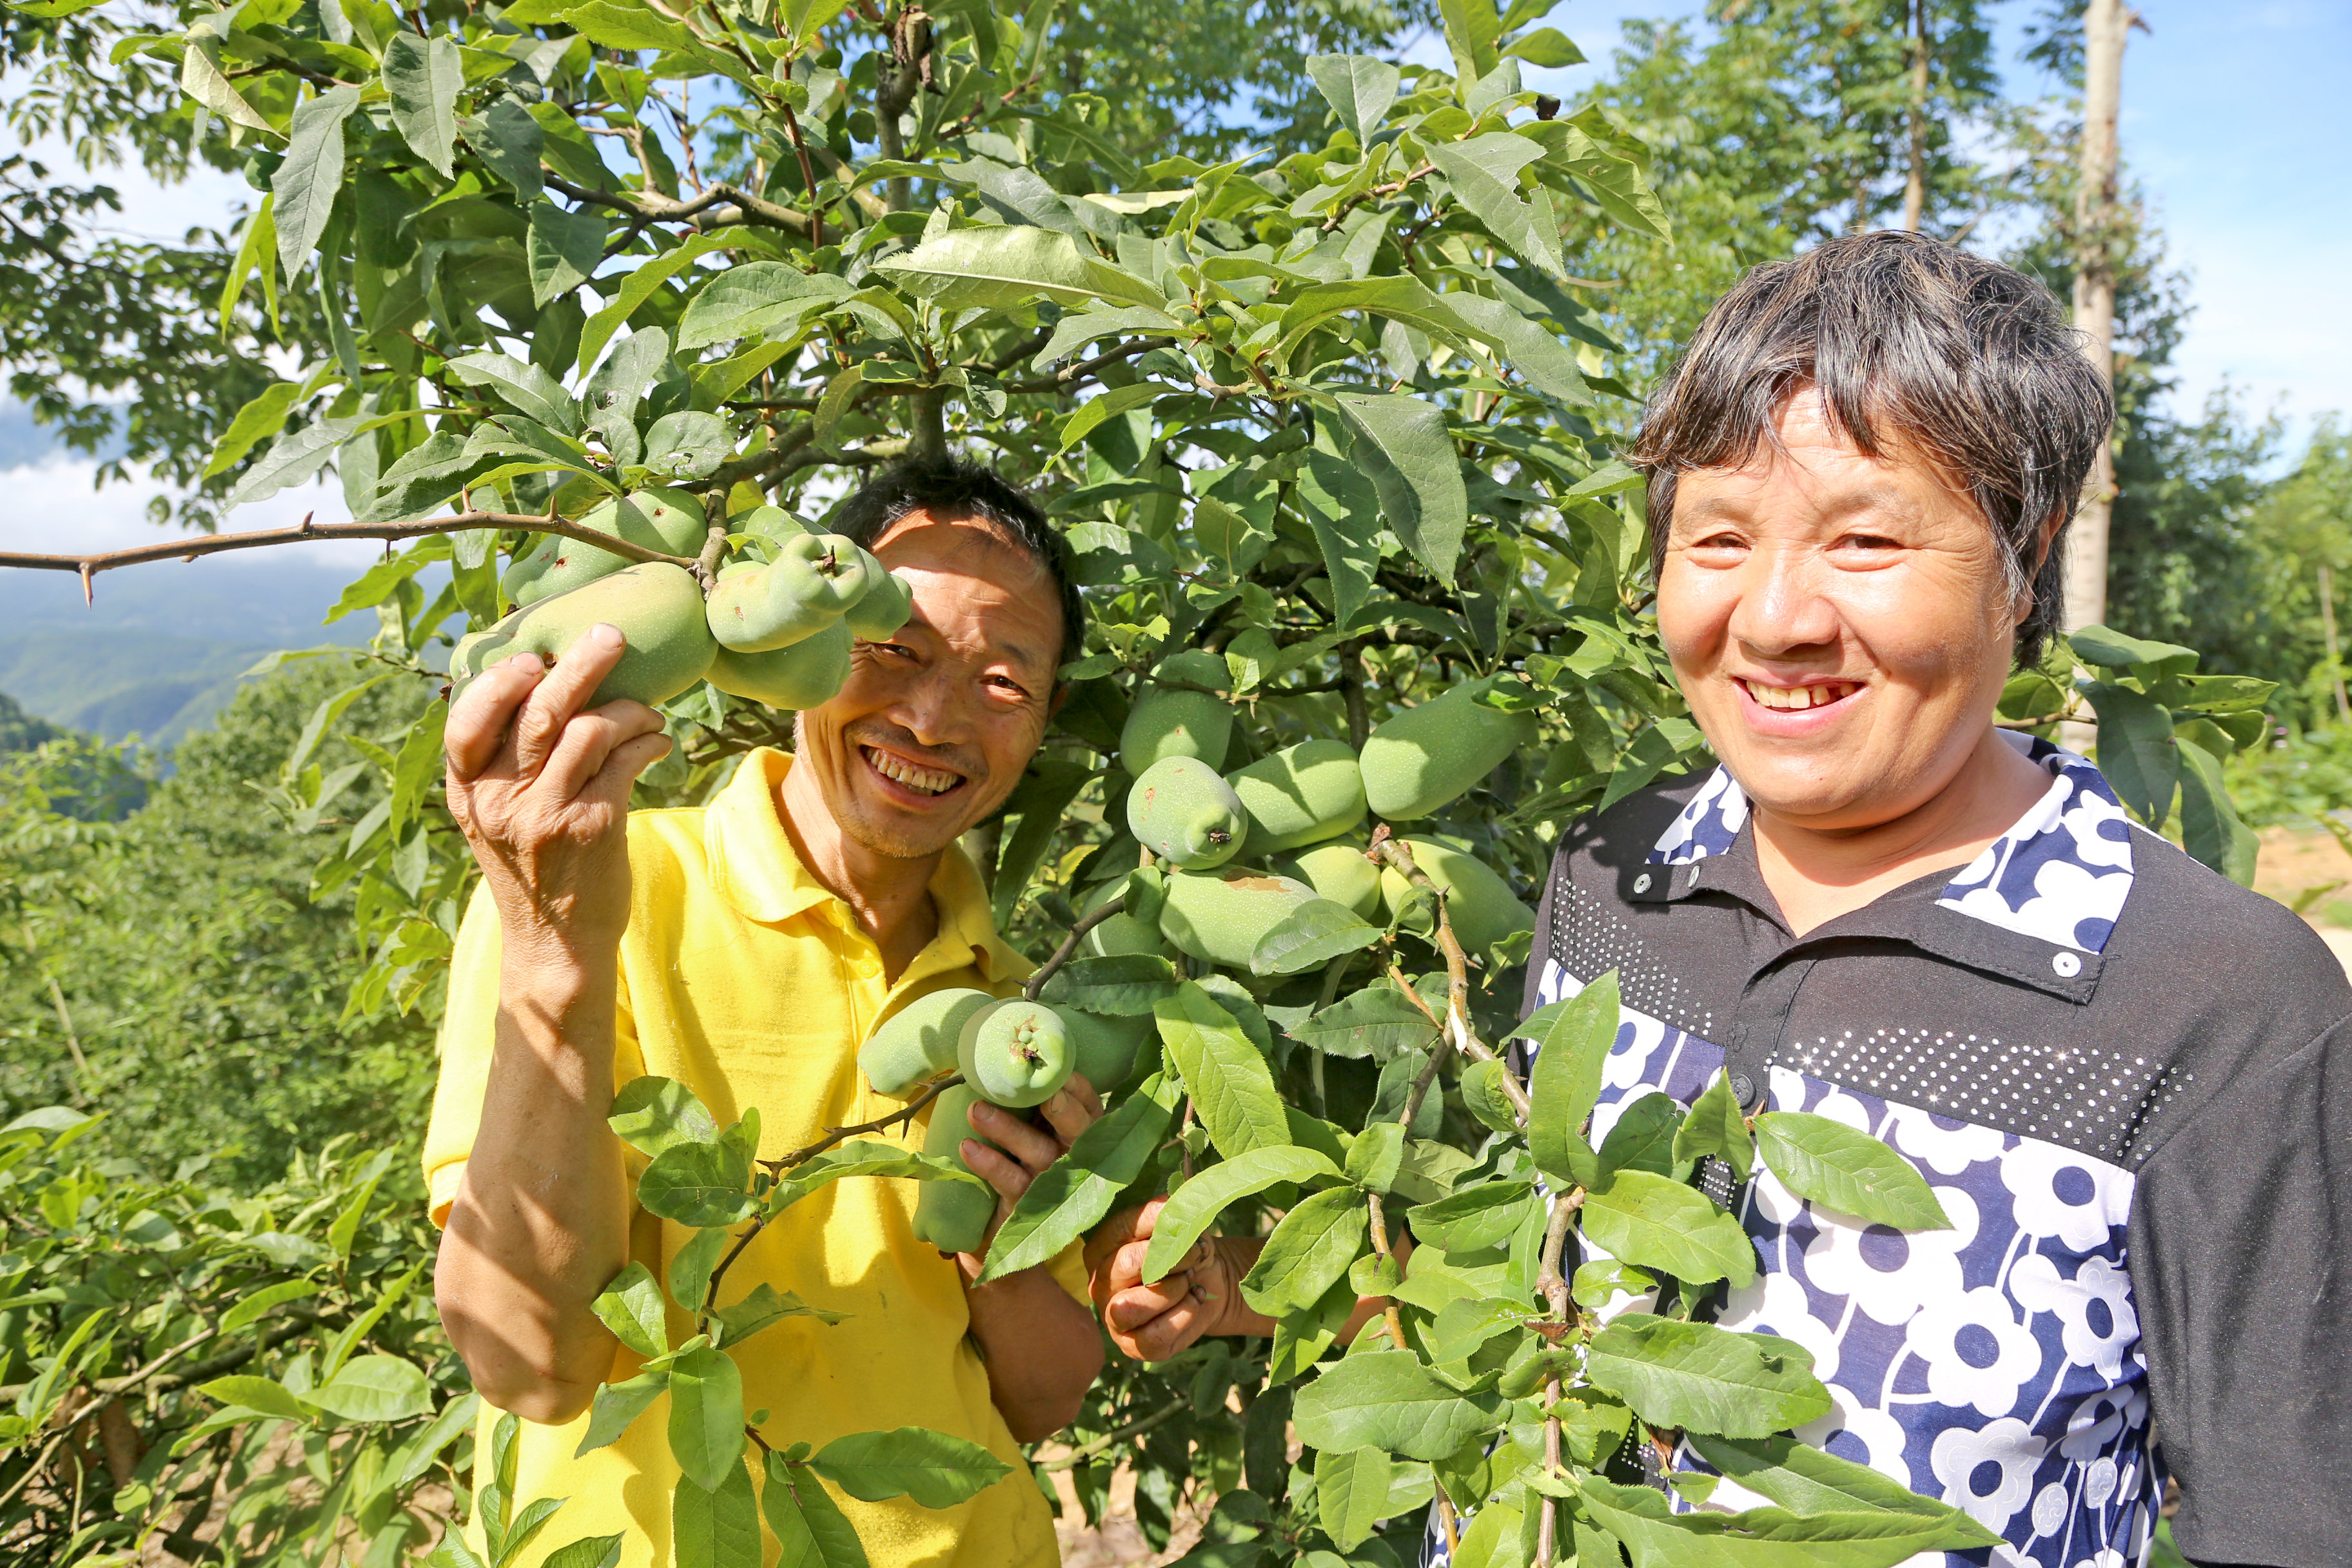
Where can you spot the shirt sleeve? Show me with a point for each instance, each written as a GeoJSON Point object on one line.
{"type": "Point", "coordinates": [2242, 1274]}
{"type": "Point", "coordinates": [1547, 911]}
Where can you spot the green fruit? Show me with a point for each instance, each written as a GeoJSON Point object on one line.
{"type": "Point", "coordinates": [668, 520]}
{"type": "Point", "coordinates": [1338, 872]}
{"type": "Point", "coordinates": [1167, 722]}
{"type": "Point", "coordinates": [657, 607]}
{"type": "Point", "coordinates": [888, 605]}
{"type": "Point", "coordinates": [1479, 905]}
{"type": "Point", "coordinates": [1016, 1053]}
{"type": "Point", "coordinates": [919, 1041]}
{"type": "Point", "coordinates": [1219, 916]}
{"type": "Point", "coordinates": [1102, 1047]}
{"type": "Point", "coordinates": [1301, 795]}
{"type": "Point", "coordinates": [952, 1215]}
{"type": "Point", "coordinates": [805, 675]}
{"type": "Point", "coordinates": [1482, 1092]}
{"type": "Point", "coordinates": [1429, 755]}
{"type": "Point", "coordinates": [814, 579]}
{"type": "Point", "coordinates": [1181, 810]}
{"type": "Point", "coordinates": [1136, 930]}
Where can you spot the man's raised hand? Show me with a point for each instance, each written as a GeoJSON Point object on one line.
{"type": "Point", "coordinates": [542, 792]}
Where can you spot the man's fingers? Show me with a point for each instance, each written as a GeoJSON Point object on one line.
{"type": "Point", "coordinates": [1009, 1179]}
{"type": "Point", "coordinates": [588, 742]}
{"type": "Point", "coordinates": [563, 692]}
{"type": "Point", "coordinates": [619, 774]}
{"type": "Point", "coordinates": [1073, 1108]}
{"type": "Point", "coordinates": [1130, 1309]}
{"type": "Point", "coordinates": [1034, 1148]}
{"type": "Point", "coordinates": [478, 718]}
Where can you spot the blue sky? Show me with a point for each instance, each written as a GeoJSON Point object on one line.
{"type": "Point", "coordinates": [2235, 125]}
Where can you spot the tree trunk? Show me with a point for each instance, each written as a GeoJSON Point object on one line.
{"type": "Point", "coordinates": [2104, 23]}
{"type": "Point", "coordinates": [1915, 188]}
{"type": "Point", "coordinates": [2334, 656]}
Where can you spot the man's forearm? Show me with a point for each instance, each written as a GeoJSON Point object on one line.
{"type": "Point", "coordinates": [540, 1224]}
{"type": "Point", "coordinates": [1042, 1348]}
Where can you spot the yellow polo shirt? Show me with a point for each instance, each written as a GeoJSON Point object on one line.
{"type": "Point", "coordinates": [746, 980]}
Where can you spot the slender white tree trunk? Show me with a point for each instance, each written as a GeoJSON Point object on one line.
{"type": "Point", "coordinates": [1915, 188]}
{"type": "Point", "coordinates": [2104, 23]}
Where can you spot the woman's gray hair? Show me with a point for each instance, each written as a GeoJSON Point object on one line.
{"type": "Point", "coordinates": [1910, 341]}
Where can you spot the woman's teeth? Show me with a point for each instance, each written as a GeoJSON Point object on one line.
{"type": "Point", "coordinates": [922, 781]}
{"type": "Point", "coordinates": [1795, 699]}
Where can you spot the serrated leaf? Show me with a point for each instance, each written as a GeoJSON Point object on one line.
{"type": "Point", "coordinates": [374, 1388]}
{"type": "Point", "coordinates": [935, 1469]}
{"type": "Point", "coordinates": [1232, 1089]}
{"type": "Point", "coordinates": [1199, 1202]}
{"type": "Point", "coordinates": [1071, 1195]}
{"type": "Point", "coordinates": [650, 1114]}
{"type": "Point", "coordinates": [617, 1406]}
{"type": "Point", "coordinates": [264, 414]}
{"type": "Point", "coordinates": [306, 182]}
{"type": "Point", "coordinates": [1379, 1022]}
{"type": "Point", "coordinates": [1830, 1164]}
{"type": "Point", "coordinates": [1565, 1082]}
{"type": "Point", "coordinates": [1403, 444]}
{"type": "Point", "coordinates": [1654, 1222]}
{"type": "Point", "coordinates": [423, 76]}
{"type": "Point", "coordinates": [715, 1526]}
{"type": "Point", "coordinates": [563, 249]}
{"type": "Point", "coordinates": [1310, 936]}
{"type": "Point", "coordinates": [1307, 1253]}
{"type": "Point", "coordinates": [1359, 88]}
{"type": "Point", "coordinates": [1706, 1379]}
{"type": "Point", "coordinates": [706, 1417]}
{"type": "Point", "coordinates": [1715, 1126]}
{"type": "Point", "coordinates": [631, 1306]}
{"type": "Point", "coordinates": [1805, 1480]}
{"type": "Point", "coordinates": [2137, 751]}
{"type": "Point", "coordinates": [2211, 828]}
{"type": "Point", "coordinates": [1000, 269]}
{"type": "Point", "coordinates": [526, 388]}
{"type": "Point", "coordinates": [1351, 1493]}
{"type": "Point", "coordinates": [1484, 173]}
{"type": "Point", "coordinates": [765, 1305]}
{"type": "Point", "coordinates": [1124, 986]}
{"type": "Point", "coordinates": [292, 459]}
{"type": "Point", "coordinates": [697, 1184]}
{"type": "Point", "coordinates": [1389, 1400]}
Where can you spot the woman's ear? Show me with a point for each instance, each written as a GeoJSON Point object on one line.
{"type": "Point", "coordinates": [2047, 539]}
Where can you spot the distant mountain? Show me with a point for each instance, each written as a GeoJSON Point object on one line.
{"type": "Point", "coordinates": [20, 731]}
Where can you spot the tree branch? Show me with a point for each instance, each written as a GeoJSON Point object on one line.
{"type": "Point", "coordinates": [1047, 969]}
{"type": "Point", "coordinates": [651, 206]}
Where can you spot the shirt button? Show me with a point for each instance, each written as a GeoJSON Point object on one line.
{"type": "Point", "coordinates": [2066, 964]}
{"type": "Point", "coordinates": [1743, 1090]}
{"type": "Point", "coordinates": [1641, 883]}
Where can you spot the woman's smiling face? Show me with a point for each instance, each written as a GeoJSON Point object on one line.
{"type": "Point", "coordinates": [1842, 625]}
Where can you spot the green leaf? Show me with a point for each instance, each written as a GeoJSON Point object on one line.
{"type": "Point", "coordinates": [651, 1114]}
{"type": "Point", "coordinates": [765, 1305]}
{"type": "Point", "coordinates": [1565, 1082]}
{"type": "Point", "coordinates": [635, 288]}
{"type": "Point", "coordinates": [525, 387]}
{"type": "Point", "coordinates": [1231, 1086]}
{"type": "Point", "coordinates": [616, 26]}
{"type": "Point", "coordinates": [564, 249]}
{"type": "Point", "coordinates": [1546, 46]}
{"type": "Point", "coordinates": [691, 1267]}
{"type": "Point", "coordinates": [1715, 1126]}
{"type": "Point", "coordinates": [1644, 1137]}
{"type": "Point", "coordinates": [201, 78]}
{"type": "Point", "coordinates": [802, 20]}
{"type": "Point", "coordinates": [757, 297]}
{"type": "Point", "coordinates": [616, 1408]}
{"type": "Point", "coordinates": [1310, 936]}
{"type": "Point", "coordinates": [631, 1306]}
{"type": "Point", "coordinates": [2209, 826]}
{"type": "Point", "coordinates": [1003, 268]}
{"type": "Point", "coordinates": [1351, 1493]}
{"type": "Point", "coordinates": [1545, 362]}
{"type": "Point", "coordinates": [257, 1304]}
{"type": "Point", "coordinates": [1379, 1022]}
{"type": "Point", "coordinates": [1759, 1538]}
{"type": "Point", "coordinates": [423, 76]}
{"type": "Point", "coordinates": [1805, 1480]}
{"type": "Point", "coordinates": [1374, 1158]}
{"type": "Point", "coordinates": [715, 1526]}
{"type": "Point", "coordinates": [375, 1388]}
{"type": "Point", "coordinates": [861, 1157]}
{"type": "Point", "coordinates": [1307, 1252]}
{"type": "Point", "coordinates": [806, 1521]}
{"type": "Point", "coordinates": [258, 1393]}
{"type": "Point", "coordinates": [2110, 649]}
{"type": "Point", "coordinates": [706, 1417]}
{"type": "Point", "coordinates": [1388, 1399]}
{"type": "Point", "coordinates": [1703, 1378]}
{"type": "Point", "coordinates": [528, 1522]}
{"type": "Point", "coordinates": [264, 414]}
{"type": "Point", "coordinates": [1199, 1202]}
{"type": "Point", "coordinates": [1359, 88]}
{"type": "Point", "coordinates": [1125, 986]}
{"type": "Point", "coordinates": [1403, 444]}
{"type": "Point", "coordinates": [697, 1184]}
{"type": "Point", "coordinates": [305, 183]}
{"type": "Point", "coordinates": [1484, 173]}
{"type": "Point", "coordinates": [1071, 1195]}
{"type": "Point", "coordinates": [1344, 509]}
{"type": "Point", "coordinates": [1830, 1164]}
{"type": "Point", "coordinates": [934, 1469]}
{"type": "Point", "coordinates": [1473, 1219]}
{"type": "Point", "coordinates": [2137, 751]}
{"type": "Point", "coordinates": [588, 1551]}
{"type": "Point", "coordinates": [1094, 410]}
{"type": "Point", "coordinates": [1653, 1222]}
{"type": "Point", "coordinates": [291, 458]}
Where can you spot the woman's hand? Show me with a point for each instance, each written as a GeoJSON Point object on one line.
{"type": "Point", "coordinates": [1202, 1295]}
{"type": "Point", "coordinates": [541, 790]}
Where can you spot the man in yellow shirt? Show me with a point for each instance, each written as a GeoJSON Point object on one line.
{"type": "Point", "coordinates": [745, 949]}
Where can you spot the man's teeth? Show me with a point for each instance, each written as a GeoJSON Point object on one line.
{"type": "Point", "coordinates": [922, 781]}
{"type": "Point", "coordinates": [1798, 697]}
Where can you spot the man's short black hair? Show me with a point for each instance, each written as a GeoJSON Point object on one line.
{"type": "Point", "coordinates": [953, 490]}
{"type": "Point", "coordinates": [1971, 363]}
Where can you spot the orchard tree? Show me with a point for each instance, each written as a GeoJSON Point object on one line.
{"type": "Point", "coordinates": [618, 298]}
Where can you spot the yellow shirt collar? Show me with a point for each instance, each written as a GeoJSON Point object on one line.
{"type": "Point", "coordinates": [755, 867]}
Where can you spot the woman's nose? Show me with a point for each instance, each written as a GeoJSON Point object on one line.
{"type": "Point", "coordinates": [1783, 603]}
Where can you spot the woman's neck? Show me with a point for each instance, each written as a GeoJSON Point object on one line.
{"type": "Point", "coordinates": [1818, 874]}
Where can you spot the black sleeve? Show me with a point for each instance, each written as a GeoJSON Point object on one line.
{"type": "Point", "coordinates": [2242, 1272]}
{"type": "Point", "coordinates": [1539, 952]}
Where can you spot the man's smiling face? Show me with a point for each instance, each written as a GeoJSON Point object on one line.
{"type": "Point", "coordinates": [934, 726]}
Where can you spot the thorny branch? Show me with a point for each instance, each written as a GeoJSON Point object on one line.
{"type": "Point", "coordinates": [1047, 969]}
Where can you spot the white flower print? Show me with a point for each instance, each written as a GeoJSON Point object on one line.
{"type": "Point", "coordinates": [1987, 1472]}
{"type": "Point", "coordinates": [2050, 1508]}
{"type": "Point", "coordinates": [2092, 1426]}
{"type": "Point", "coordinates": [1628, 1065]}
{"type": "Point", "coordinates": [1977, 1353]}
{"type": "Point", "coordinates": [1775, 1303]}
{"type": "Point", "coordinates": [2105, 1557]}
{"type": "Point", "coordinates": [2099, 1325]}
{"type": "Point", "coordinates": [1944, 1146]}
{"type": "Point", "coordinates": [2076, 1197]}
{"type": "Point", "coordinates": [1855, 1433]}
{"type": "Point", "coordinates": [1888, 1273]}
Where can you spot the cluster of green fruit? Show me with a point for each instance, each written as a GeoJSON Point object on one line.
{"type": "Point", "coordinates": [1299, 812]}
{"type": "Point", "coordinates": [775, 627]}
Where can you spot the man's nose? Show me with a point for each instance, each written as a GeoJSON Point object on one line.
{"type": "Point", "coordinates": [928, 709]}
{"type": "Point", "coordinates": [1783, 601]}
